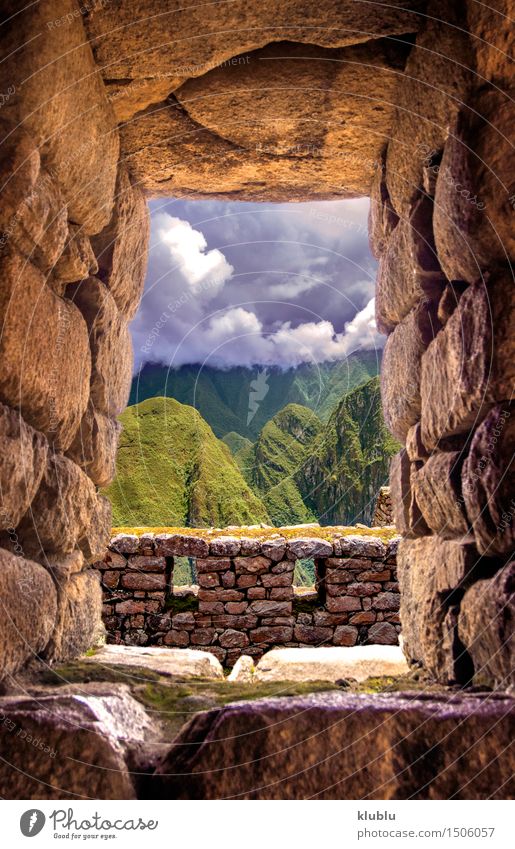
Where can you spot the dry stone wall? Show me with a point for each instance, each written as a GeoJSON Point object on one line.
{"type": "Point", "coordinates": [73, 242]}
{"type": "Point", "coordinates": [411, 104]}
{"type": "Point", "coordinates": [245, 601]}
{"type": "Point", "coordinates": [442, 229]}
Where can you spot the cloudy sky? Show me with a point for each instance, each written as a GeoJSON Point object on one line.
{"type": "Point", "coordinates": [233, 283]}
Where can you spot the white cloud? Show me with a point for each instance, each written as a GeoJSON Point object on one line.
{"type": "Point", "coordinates": [185, 249]}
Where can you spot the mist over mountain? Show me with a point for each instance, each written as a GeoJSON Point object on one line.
{"type": "Point", "coordinates": [243, 400]}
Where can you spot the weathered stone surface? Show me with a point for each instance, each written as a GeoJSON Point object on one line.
{"type": "Point", "coordinates": [136, 59]}
{"type": "Point", "coordinates": [383, 633]}
{"type": "Point", "coordinates": [310, 547]}
{"type": "Point", "coordinates": [254, 565]}
{"type": "Point", "coordinates": [60, 99]}
{"type": "Point", "coordinates": [77, 260]}
{"type": "Point", "coordinates": [488, 482]}
{"type": "Point", "coordinates": [450, 299]}
{"type": "Point", "coordinates": [437, 492]}
{"type": "Point", "coordinates": [275, 549]}
{"type": "Point", "coordinates": [243, 670]}
{"type": "Point", "coordinates": [189, 664]}
{"type": "Point", "coordinates": [182, 545]}
{"type": "Point", "coordinates": [408, 269]}
{"type": "Point", "coordinates": [415, 448]}
{"type": "Point", "coordinates": [383, 514]}
{"type": "Point", "coordinates": [79, 616]}
{"type": "Point", "coordinates": [490, 27]}
{"type": "Point", "coordinates": [66, 512]}
{"type": "Point", "coordinates": [29, 605]}
{"type": "Point", "coordinates": [65, 745]}
{"type": "Point", "coordinates": [408, 518]}
{"type": "Point", "coordinates": [110, 342]}
{"type": "Point", "coordinates": [94, 446]}
{"type": "Point", "coordinates": [19, 170]}
{"type": "Point", "coordinates": [225, 546]}
{"type": "Point", "coordinates": [273, 157]}
{"type": "Point", "coordinates": [432, 574]}
{"type": "Point", "coordinates": [356, 547]}
{"type": "Point", "coordinates": [437, 79]}
{"type": "Point", "coordinates": [40, 223]}
{"type": "Point", "coordinates": [470, 364]}
{"type": "Point", "coordinates": [122, 247]}
{"type": "Point", "coordinates": [486, 627]}
{"type": "Point", "coordinates": [401, 369]}
{"type": "Point", "coordinates": [271, 634]}
{"type": "Point", "coordinates": [382, 218]}
{"type": "Point", "coordinates": [44, 348]}
{"type": "Point", "coordinates": [24, 456]}
{"type": "Point", "coordinates": [144, 581]}
{"type": "Point", "coordinates": [345, 635]}
{"type": "Point", "coordinates": [473, 219]}
{"type": "Point", "coordinates": [427, 735]}
{"type": "Point", "coordinates": [126, 543]}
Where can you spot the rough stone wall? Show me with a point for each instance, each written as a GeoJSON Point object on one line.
{"type": "Point", "coordinates": [246, 602]}
{"type": "Point", "coordinates": [413, 108]}
{"type": "Point", "coordinates": [442, 229]}
{"type": "Point", "coordinates": [72, 261]}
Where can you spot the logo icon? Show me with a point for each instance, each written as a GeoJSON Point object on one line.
{"type": "Point", "coordinates": [31, 822]}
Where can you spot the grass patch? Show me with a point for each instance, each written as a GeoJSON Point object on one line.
{"type": "Point", "coordinates": [288, 532]}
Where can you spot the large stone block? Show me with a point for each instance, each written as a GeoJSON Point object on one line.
{"type": "Point", "coordinates": [432, 575]}
{"type": "Point", "coordinates": [86, 741]}
{"type": "Point", "coordinates": [488, 481]}
{"type": "Point", "coordinates": [19, 169]}
{"type": "Point", "coordinates": [79, 615]}
{"type": "Point", "coordinates": [436, 489]}
{"type": "Point", "coordinates": [408, 518]}
{"type": "Point", "coordinates": [66, 512]}
{"type": "Point", "coordinates": [400, 372]}
{"type": "Point", "coordinates": [471, 363]}
{"type": "Point", "coordinates": [473, 219]}
{"type": "Point", "coordinates": [122, 247]}
{"type": "Point", "coordinates": [218, 112]}
{"type": "Point", "coordinates": [60, 99]}
{"type": "Point", "coordinates": [24, 455]}
{"type": "Point", "coordinates": [490, 25]}
{"type": "Point", "coordinates": [408, 270]}
{"type": "Point", "coordinates": [111, 347]}
{"type": "Point", "coordinates": [28, 603]}
{"type": "Point", "coordinates": [46, 361]}
{"type": "Point", "coordinates": [486, 626]}
{"type": "Point", "coordinates": [94, 446]}
{"type": "Point", "coordinates": [39, 224]}
{"type": "Point", "coordinates": [77, 260]}
{"type": "Point", "coordinates": [435, 83]}
{"type": "Point", "coordinates": [382, 218]}
{"type": "Point", "coordinates": [328, 741]}
{"type": "Point", "coordinates": [136, 59]}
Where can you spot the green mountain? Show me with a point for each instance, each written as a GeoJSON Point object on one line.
{"type": "Point", "coordinates": [236, 442]}
{"type": "Point", "coordinates": [173, 471]}
{"type": "Point", "coordinates": [270, 465]}
{"type": "Point", "coordinates": [348, 460]}
{"type": "Point", "coordinates": [305, 470]}
{"type": "Point", "coordinates": [243, 400]}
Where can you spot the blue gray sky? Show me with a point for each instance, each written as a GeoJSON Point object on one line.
{"type": "Point", "coordinates": [233, 283]}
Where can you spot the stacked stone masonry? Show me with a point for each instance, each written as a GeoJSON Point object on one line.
{"type": "Point", "coordinates": [245, 601]}
{"type": "Point", "coordinates": [412, 105]}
